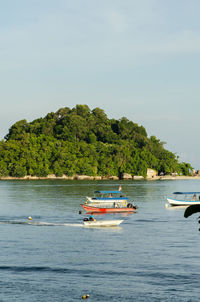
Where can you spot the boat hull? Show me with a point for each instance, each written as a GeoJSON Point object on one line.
{"type": "Point", "coordinates": [91, 209]}
{"type": "Point", "coordinates": [176, 202]}
{"type": "Point", "coordinates": [102, 223]}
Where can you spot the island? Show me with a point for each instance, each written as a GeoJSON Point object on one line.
{"type": "Point", "coordinates": [81, 143]}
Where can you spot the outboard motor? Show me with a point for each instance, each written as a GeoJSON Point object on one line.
{"type": "Point", "coordinates": [129, 205]}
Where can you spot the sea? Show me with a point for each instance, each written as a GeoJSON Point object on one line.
{"type": "Point", "coordinates": [154, 255]}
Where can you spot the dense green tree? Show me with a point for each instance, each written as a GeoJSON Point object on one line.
{"type": "Point", "coordinates": [83, 111]}
{"type": "Point", "coordinates": [18, 130]}
{"type": "Point", "coordinates": [99, 114]}
{"type": "Point", "coordinates": [185, 168]}
{"type": "Point", "coordinates": [81, 141]}
{"type": "Point", "coordinates": [19, 170]}
{"type": "Point", "coordinates": [3, 169]}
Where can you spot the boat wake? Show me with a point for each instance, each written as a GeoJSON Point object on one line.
{"type": "Point", "coordinates": [41, 223]}
{"type": "Point", "coordinates": [50, 224]}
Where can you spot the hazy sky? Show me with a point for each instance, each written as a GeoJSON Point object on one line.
{"type": "Point", "coordinates": [134, 58]}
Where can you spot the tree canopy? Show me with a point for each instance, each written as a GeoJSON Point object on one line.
{"type": "Point", "coordinates": [83, 141]}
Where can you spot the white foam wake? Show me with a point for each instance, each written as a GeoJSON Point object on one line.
{"type": "Point", "coordinates": [41, 223]}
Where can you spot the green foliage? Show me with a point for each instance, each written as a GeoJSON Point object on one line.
{"type": "Point", "coordinates": [3, 169]}
{"type": "Point", "coordinates": [185, 168]}
{"type": "Point", "coordinates": [81, 141]}
{"type": "Point", "coordinates": [19, 170]}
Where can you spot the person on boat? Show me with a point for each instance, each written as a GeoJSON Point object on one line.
{"type": "Point", "coordinates": [194, 197]}
{"type": "Point", "coordinates": [91, 218]}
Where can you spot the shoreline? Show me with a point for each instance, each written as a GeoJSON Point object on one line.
{"type": "Point", "coordinates": [87, 177]}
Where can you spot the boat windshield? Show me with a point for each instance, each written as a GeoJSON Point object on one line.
{"type": "Point", "coordinates": [108, 194]}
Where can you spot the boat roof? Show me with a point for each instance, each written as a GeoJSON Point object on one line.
{"type": "Point", "coordinates": [186, 193]}
{"type": "Point", "coordinates": [108, 192]}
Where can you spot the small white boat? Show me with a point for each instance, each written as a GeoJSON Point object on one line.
{"type": "Point", "coordinates": [184, 199]}
{"type": "Point", "coordinates": [102, 223]}
{"type": "Point", "coordinates": [108, 197]}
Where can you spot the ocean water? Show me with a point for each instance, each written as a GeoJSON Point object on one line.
{"type": "Point", "coordinates": [153, 256]}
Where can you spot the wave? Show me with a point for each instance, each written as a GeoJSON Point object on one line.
{"type": "Point", "coordinates": [158, 278]}
{"type": "Point", "coordinates": [36, 269]}
{"type": "Point", "coordinates": [58, 270]}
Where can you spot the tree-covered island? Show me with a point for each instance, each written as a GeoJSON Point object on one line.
{"type": "Point", "coordinates": [85, 142]}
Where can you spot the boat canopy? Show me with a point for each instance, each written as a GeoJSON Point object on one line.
{"type": "Point", "coordinates": [186, 193]}
{"type": "Point", "coordinates": [108, 192]}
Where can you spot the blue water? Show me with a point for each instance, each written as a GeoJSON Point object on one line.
{"type": "Point", "coordinates": [153, 256]}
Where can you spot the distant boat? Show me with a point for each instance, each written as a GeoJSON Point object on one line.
{"type": "Point", "coordinates": [112, 209]}
{"type": "Point", "coordinates": [108, 197]}
{"type": "Point", "coordinates": [185, 199]}
{"type": "Point", "coordinates": [102, 223]}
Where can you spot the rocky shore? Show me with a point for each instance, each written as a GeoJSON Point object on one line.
{"type": "Point", "coordinates": [125, 176]}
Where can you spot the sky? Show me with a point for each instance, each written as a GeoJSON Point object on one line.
{"type": "Point", "coordinates": [138, 59]}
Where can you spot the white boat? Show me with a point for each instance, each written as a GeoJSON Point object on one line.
{"type": "Point", "coordinates": [184, 199]}
{"type": "Point", "coordinates": [102, 223]}
{"type": "Point", "coordinates": [108, 197]}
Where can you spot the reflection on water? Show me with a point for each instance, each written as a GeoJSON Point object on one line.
{"type": "Point", "coordinates": [169, 207]}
